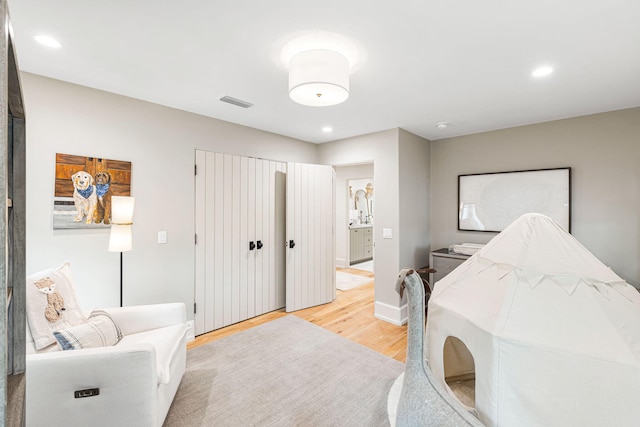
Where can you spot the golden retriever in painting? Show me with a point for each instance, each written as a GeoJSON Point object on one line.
{"type": "Point", "coordinates": [103, 192]}
{"type": "Point", "coordinates": [84, 196]}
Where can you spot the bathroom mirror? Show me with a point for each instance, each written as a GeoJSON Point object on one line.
{"type": "Point", "coordinates": [362, 204]}
{"type": "Point", "coordinates": [360, 192]}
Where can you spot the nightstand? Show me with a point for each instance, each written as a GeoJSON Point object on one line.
{"type": "Point", "coordinates": [444, 262]}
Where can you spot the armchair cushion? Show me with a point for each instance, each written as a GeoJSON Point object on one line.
{"type": "Point", "coordinates": [51, 304]}
{"type": "Point", "coordinates": [98, 331]}
{"type": "Point", "coordinates": [167, 342]}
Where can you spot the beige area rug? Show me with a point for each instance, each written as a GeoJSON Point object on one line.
{"type": "Point", "coordinates": [346, 281]}
{"type": "Point", "coordinates": [287, 372]}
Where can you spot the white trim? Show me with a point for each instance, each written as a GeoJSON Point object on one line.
{"type": "Point", "coordinates": [342, 263]}
{"type": "Point", "coordinates": [190, 331]}
{"type": "Point", "coordinates": [389, 313]}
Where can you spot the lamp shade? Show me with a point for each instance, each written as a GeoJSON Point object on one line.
{"type": "Point", "coordinates": [122, 209]}
{"type": "Point", "coordinates": [120, 239]}
{"type": "Point", "coordinates": [319, 77]}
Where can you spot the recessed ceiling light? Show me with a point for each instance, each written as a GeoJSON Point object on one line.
{"type": "Point", "coordinates": [442, 125]}
{"type": "Point", "coordinates": [47, 41]}
{"type": "Point", "coordinates": [327, 129]}
{"type": "Point", "coordinates": [542, 71]}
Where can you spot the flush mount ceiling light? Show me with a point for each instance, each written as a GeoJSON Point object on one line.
{"type": "Point", "coordinates": [442, 125]}
{"type": "Point", "coordinates": [542, 71]}
{"type": "Point", "coordinates": [327, 129]}
{"type": "Point", "coordinates": [47, 41]}
{"type": "Point", "coordinates": [319, 78]}
{"type": "Point", "coordinates": [319, 64]}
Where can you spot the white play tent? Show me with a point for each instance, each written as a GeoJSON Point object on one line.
{"type": "Point", "coordinates": [550, 333]}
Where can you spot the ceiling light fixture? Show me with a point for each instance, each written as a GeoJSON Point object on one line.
{"type": "Point", "coordinates": [542, 72]}
{"type": "Point", "coordinates": [327, 129]}
{"type": "Point", "coordinates": [319, 78]}
{"type": "Point", "coordinates": [47, 41]}
{"type": "Point", "coordinates": [442, 125]}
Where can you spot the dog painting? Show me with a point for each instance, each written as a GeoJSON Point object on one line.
{"type": "Point", "coordinates": [84, 196]}
{"type": "Point", "coordinates": [83, 190]}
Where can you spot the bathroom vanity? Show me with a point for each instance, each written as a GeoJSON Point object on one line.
{"type": "Point", "coordinates": [360, 243]}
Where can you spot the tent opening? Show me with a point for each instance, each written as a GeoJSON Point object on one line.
{"type": "Point", "coordinates": [460, 371]}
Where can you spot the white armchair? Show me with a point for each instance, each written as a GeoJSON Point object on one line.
{"type": "Point", "coordinates": [130, 384]}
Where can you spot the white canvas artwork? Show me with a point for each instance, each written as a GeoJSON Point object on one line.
{"type": "Point", "coordinates": [490, 202]}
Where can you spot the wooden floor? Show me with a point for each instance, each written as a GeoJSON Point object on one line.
{"type": "Point", "coordinates": [350, 315]}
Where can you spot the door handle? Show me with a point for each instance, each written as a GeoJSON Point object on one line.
{"type": "Point", "coordinates": [252, 246]}
{"type": "Point", "coordinates": [259, 244]}
{"type": "Point", "coordinates": [291, 244]}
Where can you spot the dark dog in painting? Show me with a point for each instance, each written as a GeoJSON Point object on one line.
{"type": "Point", "coordinates": [103, 192]}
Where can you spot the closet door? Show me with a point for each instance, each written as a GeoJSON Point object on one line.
{"type": "Point", "coordinates": [310, 236]}
{"type": "Point", "coordinates": [239, 239]}
{"type": "Point", "coordinates": [242, 251]}
{"type": "Point", "coordinates": [269, 236]}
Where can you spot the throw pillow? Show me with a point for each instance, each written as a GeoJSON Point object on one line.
{"type": "Point", "coordinates": [51, 304]}
{"type": "Point", "coordinates": [98, 331]}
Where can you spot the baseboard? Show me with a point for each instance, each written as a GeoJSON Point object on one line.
{"type": "Point", "coordinates": [389, 313]}
{"type": "Point", "coordinates": [190, 331]}
{"type": "Point", "coordinates": [342, 263]}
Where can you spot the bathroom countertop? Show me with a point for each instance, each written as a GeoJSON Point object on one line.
{"type": "Point", "coordinates": [352, 226]}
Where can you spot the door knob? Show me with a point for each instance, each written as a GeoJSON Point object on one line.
{"type": "Point", "coordinates": [259, 244]}
{"type": "Point", "coordinates": [291, 244]}
{"type": "Point", "coordinates": [252, 246]}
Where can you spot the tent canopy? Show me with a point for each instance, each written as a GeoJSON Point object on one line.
{"type": "Point", "coordinates": [553, 333]}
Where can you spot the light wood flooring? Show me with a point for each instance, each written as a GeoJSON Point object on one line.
{"type": "Point", "coordinates": [350, 315]}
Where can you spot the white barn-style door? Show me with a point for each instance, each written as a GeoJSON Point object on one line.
{"type": "Point", "coordinates": [240, 260]}
{"type": "Point", "coordinates": [311, 268]}
{"type": "Point", "coordinates": [244, 265]}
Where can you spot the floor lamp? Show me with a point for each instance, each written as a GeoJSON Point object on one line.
{"type": "Point", "coordinates": [120, 239]}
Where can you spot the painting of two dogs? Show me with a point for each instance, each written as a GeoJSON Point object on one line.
{"type": "Point", "coordinates": [84, 187]}
{"type": "Point", "coordinates": [92, 197]}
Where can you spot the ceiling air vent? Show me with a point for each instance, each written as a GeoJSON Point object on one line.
{"type": "Point", "coordinates": [235, 101]}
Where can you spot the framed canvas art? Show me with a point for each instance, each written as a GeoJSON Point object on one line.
{"type": "Point", "coordinates": [83, 190]}
{"type": "Point", "coordinates": [492, 201]}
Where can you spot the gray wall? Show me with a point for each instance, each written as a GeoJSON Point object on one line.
{"type": "Point", "coordinates": [603, 151]}
{"type": "Point", "coordinates": [160, 142]}
{"type": "Point", "coordinates": [414, 200]}
{"type": "Point", "coordinates": [400, 165]}
{"type": "Point", "coordinates": [381, 149]}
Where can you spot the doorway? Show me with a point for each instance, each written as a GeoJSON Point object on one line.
{"type": "Point", "coordinates": [355, 222]}
{"type": "Point", "coordinates": [460, 371]}
{"type": "Point", "coordinates": [360, 223]}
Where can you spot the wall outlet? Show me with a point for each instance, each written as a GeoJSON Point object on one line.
{"type": "Point", "coordinates": [162, 237]}
{"type": "Point", "coordinates": [386, 233]}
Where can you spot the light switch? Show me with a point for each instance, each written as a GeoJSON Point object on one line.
{"type": "Point", "coordinates": [386, 233]}
{"type": "Point", "coordinates": [162, 237]}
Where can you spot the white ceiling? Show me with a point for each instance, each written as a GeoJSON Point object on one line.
{"type": "Point", "coordinates": [466, 62]}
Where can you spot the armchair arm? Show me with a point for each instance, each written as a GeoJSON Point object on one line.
{"type": "Point", "coordinates": [125, 378]}
{"type": "Point", "coordinates": [142, 318]}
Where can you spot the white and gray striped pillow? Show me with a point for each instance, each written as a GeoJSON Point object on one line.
{"type": "Point", "coordinates": [98, 331]}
